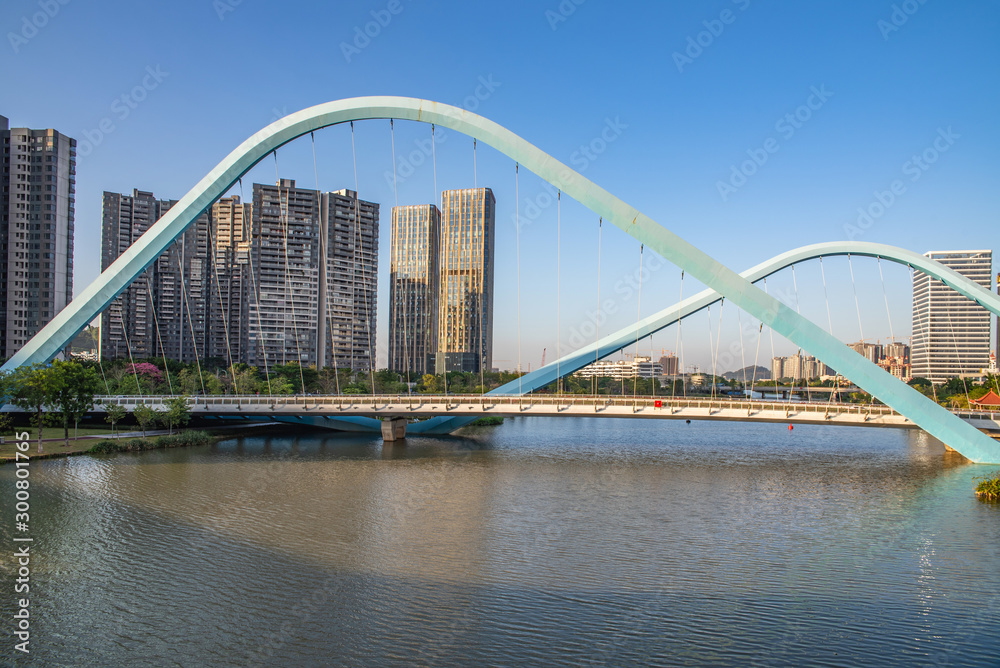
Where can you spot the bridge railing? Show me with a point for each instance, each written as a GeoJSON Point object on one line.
{"type": "Point", "coordinates": [449, 403]}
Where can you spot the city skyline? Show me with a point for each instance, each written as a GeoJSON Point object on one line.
{"type": "Point", "coordinates": [288, 277]}
{"type": "Point", "coordinates": [843, 136]}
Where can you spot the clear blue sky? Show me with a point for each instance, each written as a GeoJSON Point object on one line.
{"type": "Point", "coordinates": [228, 68]}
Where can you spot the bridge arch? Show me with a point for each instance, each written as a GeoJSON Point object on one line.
{"type": "Point", "coordinates": [70, 321]}
{"type": "Point", "coordinates": [627, 336]}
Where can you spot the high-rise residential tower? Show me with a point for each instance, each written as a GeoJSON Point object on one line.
{"type": "Point", "coordinates": [413, 288]}
{"type": "Point", "coordinates": [228, 279]}
{"type": "Point", "coordinates": [38, 179]}
{"type": "Point", "coordinates": [465, 277]}
{"type": "Point", "coordinates": [164, 312]}
{"type": "Point", "coordinates": [951, 334]}
{"type": "Point", "coordinates": [290, 277]}
{"type": "Point", "coordinates": [314, 263]}
{"type": "Point", "coordinates": [348, 281]}
{"type": "Point", "coordinates": [284, 253]}
{"type": "Point", "coordinates": [127, 324]}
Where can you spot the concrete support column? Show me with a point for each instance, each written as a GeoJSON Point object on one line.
{"type": "Point", "coordinates": [394, 429]}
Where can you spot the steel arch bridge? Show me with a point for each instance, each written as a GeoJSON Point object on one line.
{"type": "Point", "coordinates": [721, 281]}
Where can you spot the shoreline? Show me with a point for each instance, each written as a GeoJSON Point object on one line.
{"type": "Point", "coordinates": [91, 440]}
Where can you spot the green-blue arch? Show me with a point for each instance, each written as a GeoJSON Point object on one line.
{"type": "Point", "coordinates": [627, 336]}
{"type": "Point", "coordinates": [738, 290]}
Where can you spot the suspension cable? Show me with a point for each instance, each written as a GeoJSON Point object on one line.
{"type": "Point", "coordinates": [558, 290]}
{"type": "Point", "coordinates": [326, 288]}
{"type": "Point", "coordinates": [255, 289]}
{"type": "Point", "coordinates": [857, 303]}
{"type": "Point", "coordinates": [888, 313]}
{"type": "Point", "coordinates": [447, 305]}
{"type": "Point", "coordinates": [283, 212]}
{"type": "Point", "coordinates": [802, 362]}
{"type": "Point", "coordinates": [638, 320]}
{"type": "Point", "coordinates": [213, 259]}
{"type": "Point", "coordinates": [770, 331]}
{"type": "Point", "coordinates": [187, 307]}
{"type": "Point", "coordinates": [885, 294]}
{"type": "Point", "coordinates": [482, 285]}
{"type": "Point", "coordinates": [677, 347]}
{"type": "Point", "coordinates": [958, 356]}
{"type": "Point", "coordinates": [364, 275]}
{"type": "Point", "coordinates": [711, 348]}
{"type": "Point", "coordinates": [128, 347]}
{"type": "Point", "coordinates": [395, 194]}
{"type": "Point", "coordinates": [597, 344]}
{"type": "Point", "coordinates": [829, 318]}
{"type": "Point", "coordinates": [100, 353]}
{"type": "Point", "coordinates": [517, 248]}
{"type": "Point", "coordinates": [159, 338]}
{"type": "Point", "coordinates": [756, 356]}
{"type": "Point", "coordinates": [743, 356]}
{"type": "Point", "coordinates": [718, 344]}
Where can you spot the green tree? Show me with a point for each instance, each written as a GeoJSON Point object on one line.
{"type": "Point", "coordinates": [31, 388]}
{"type": "Point", "coordinates": [429, 384]}
{"type": "Point", "coordinates": [281, 385]}
{"type": "Point", "coordinates": [113, 415]}
{"type": "Point", "coordinates": [177, 413]}
{"type": "Point", "coordinates": [386, 382]}
{"type": "Point", "coordinates": [146, 417]}
{"type": "Point", "coordinates": [74, 387]}
{"type": "Point", "coordinates": [296, 374]}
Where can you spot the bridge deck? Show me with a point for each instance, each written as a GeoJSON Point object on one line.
{"type": "Point", "coordinates": [425, 406]}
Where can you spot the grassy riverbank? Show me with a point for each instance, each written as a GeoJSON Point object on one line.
{"type": "Point", "coordinates": [181, 440]}
{"type": "Point", "coordinates": [131, 443]}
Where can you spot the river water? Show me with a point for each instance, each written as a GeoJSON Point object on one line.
{"type": "Point", "coordinates": [555, 542]}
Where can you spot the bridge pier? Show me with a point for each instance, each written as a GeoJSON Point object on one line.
{"type": "Point", "coordinates": [394, 429]}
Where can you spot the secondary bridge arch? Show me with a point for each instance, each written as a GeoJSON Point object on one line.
{"type": "Point", "coordinates": [627, 336]}
{"type": "Point", "coordinates": [70, 321]}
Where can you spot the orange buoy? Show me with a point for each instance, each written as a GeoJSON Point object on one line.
{"type": "Point", "coordinates": [790, 427]}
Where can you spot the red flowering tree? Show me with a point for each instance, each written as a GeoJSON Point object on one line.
{"type": "Point", "coordinates": [147, 370]}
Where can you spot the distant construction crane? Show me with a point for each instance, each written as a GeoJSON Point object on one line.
{"type": "Point", "coordinates": [543, 356]}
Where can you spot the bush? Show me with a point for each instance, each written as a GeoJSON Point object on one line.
{"type": "Point", "coordinates": [487, 421]}
{"type": "Point", "coordinates": [988, 488]}
{"type": "Point", "coordinates": [182, 440]}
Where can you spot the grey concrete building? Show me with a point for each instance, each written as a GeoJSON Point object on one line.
{"type": "Point", "coordinates": [163, 313]}
{"type": "Point", "coordinates": [289, 277]}
{"type": "Point", "coordinates": [951, 334]}
{"type": "Point", "coordinates": [413, 288]}
{"type": "Point", "coordinates": [285, 254]}
{"type": "Point", "coordinates": [314, 263]}
{"type": "Point", "coordinates": [37, 196]}
{"type": "Point", "coordinates": [348, 281]}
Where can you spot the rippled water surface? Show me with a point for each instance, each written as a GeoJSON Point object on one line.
{"type": "Point", "coordinates": [540, 542]}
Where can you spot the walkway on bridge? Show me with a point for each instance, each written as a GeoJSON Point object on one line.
{"type": "Point", "coordinates": [418, 406]}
